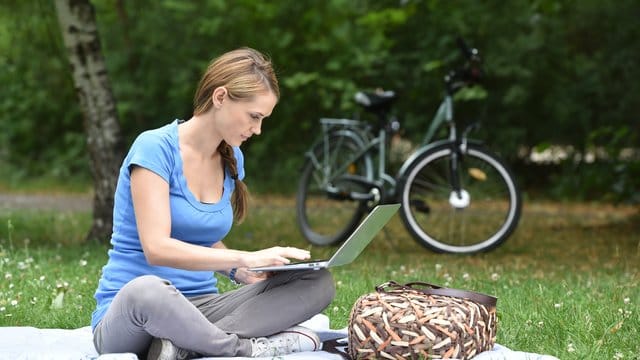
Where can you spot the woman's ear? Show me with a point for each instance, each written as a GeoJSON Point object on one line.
{"type": "Point", "coordinates": [218, 96]}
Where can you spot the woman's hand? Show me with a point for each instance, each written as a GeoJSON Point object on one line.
{"type": "Point", "coordinates": [244, 276]}
{"type": "Point", "coordinates": [275, 256]}
{"type": "Point", "coordinates": [272, 256]}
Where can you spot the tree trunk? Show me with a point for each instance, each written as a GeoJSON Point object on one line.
{"type": "Point", "coordinates": [79, 31]}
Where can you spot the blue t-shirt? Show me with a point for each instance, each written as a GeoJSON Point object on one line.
{"type": "Point", "coordinates": [191, 221]}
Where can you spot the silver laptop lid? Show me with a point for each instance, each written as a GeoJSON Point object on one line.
{"type": "Point", "coordinates": [351, 248]}
{"type": "Point", "coordinates": [364, 233]}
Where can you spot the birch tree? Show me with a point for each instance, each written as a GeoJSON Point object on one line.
{"type": "Point", "coordinates": [80, 35]}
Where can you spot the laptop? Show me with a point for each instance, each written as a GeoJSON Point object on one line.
{"type": "Point", "coordinates": [351, 248]}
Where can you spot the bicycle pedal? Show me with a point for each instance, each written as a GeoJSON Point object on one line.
{"type": "Point", "coordinates": [338, 195]}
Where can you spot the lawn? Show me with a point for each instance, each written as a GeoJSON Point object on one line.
{"type": "Point", "coordinates": [568, 280]}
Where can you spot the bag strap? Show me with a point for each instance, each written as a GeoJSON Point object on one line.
{"type": "Point", "coordinates": [430, 289]}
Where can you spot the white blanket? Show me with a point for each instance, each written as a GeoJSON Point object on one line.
{"type": "Point", "coordinates": [29, 343]}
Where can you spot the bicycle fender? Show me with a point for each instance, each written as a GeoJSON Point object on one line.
{"type": "Point", "coordinates": [420, 151]}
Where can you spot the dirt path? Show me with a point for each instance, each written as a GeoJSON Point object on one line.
{"type": "Point", "coordinates": [65, 202]}
{"type": "Point", "coordinates": [583, 212]}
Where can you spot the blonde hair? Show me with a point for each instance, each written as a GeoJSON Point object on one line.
{"type": "Point", "coordinates": [244, 72]}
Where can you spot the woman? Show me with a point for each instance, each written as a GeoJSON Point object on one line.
{"type": "Point", "coordinates": [179, 189]}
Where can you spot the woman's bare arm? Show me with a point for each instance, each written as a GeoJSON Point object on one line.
{"type": "Point", "coordinates": [150, 194]}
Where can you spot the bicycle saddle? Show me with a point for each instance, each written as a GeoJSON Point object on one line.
{"type": "Point", "coordinates": [373, 101]}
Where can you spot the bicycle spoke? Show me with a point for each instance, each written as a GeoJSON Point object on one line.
{"type": "Point", "coordinates": [427, 185]}
{"type": "Point", "coordinates": [477, 217]}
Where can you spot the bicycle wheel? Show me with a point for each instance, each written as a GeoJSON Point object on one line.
{"type": "Point", "coordinates": [478, 218]}
{"type": "Point", "coordinates": [325, 212]}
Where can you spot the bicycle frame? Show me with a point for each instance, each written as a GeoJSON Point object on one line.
{"type": "Point", "coordinates": [444, 113]}
{"type": "Point", "coordinates": [360, 132]}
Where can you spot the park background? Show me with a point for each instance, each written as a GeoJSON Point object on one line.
{"type": "Point", "coordinates": [559, 102]}
{"type": "Point", "coordinates": [560, 76]}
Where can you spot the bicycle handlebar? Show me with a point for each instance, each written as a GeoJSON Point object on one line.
{"type": "Point", "coordinates": [470, 54]}
{"type": "Point", "coordinates": [470, 73]}
{"type": "Point", "coordinates": [467, 52]}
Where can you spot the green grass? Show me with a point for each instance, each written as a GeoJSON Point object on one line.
{"type": "Point", "coordinates": [15, 180]}
{"type": "Point", "coordinates": [41, 256]}
{"type": "Point", "coordinates": [568, 280]}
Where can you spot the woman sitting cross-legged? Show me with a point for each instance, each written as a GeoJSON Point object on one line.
{"type": "Point", "coordinates": [179, 190]}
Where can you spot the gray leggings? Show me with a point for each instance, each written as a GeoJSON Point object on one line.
{"type": "Point", "coordinates": [211, 325]}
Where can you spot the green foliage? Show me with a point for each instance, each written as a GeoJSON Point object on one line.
{"type": "Point", "coordinates": [555, 72]}
{"type": "Point", "coordinates": [41, 127]}
{"type": "Point", "coordinates": [612, 166]}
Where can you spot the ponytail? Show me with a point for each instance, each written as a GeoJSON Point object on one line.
{"type": "Point", "coordinates": [240, 196]}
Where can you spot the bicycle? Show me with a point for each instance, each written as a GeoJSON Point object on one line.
{"type": "Point", "coordinates": [456, 196]}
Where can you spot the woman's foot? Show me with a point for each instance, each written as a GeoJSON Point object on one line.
{"type": "Point", "coordinates": [292, 340]}
{"type": "Point", "coordinates": [163, 349]}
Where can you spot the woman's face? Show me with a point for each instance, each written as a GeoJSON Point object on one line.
{"type": "Point", "coordinates": [238, 120]}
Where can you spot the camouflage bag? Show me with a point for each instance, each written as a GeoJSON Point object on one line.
{"type": "Point", "coordinates": [421, 321]}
